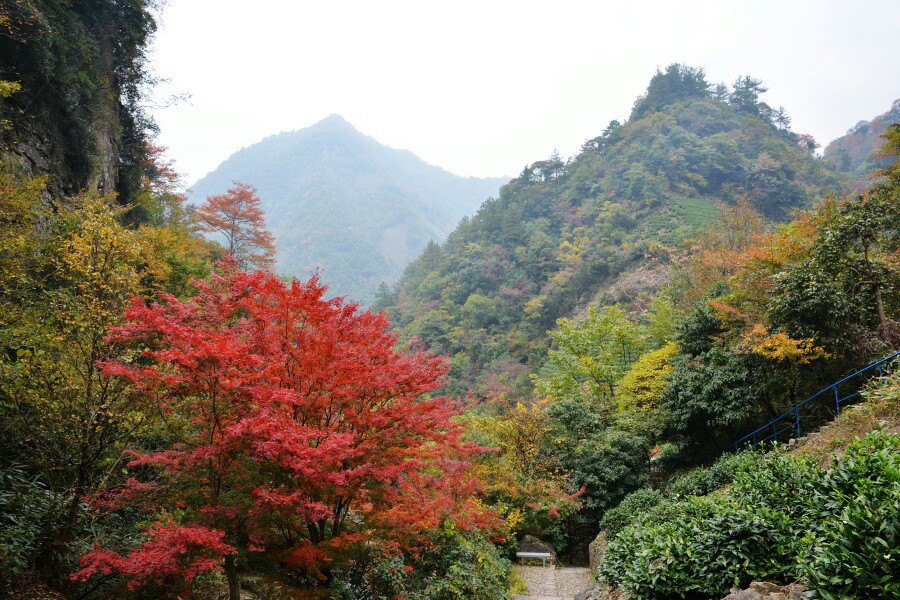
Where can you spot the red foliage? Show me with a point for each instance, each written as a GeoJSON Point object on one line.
{"type": "Point", "coordinates": [301, 430]}
{"type": "Point", "coordinates": [237, 216]}
{"type": "Point", "coordinates": [171, 556]}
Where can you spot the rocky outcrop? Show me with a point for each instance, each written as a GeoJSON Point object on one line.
{"type": "Point", "coordinates": [530, 543]}
{"type": "Point", "coordinates": [596, 550]}
{"type": "Point", "coordinates": [76, 114]}
{"type": "Point", "coordinates": [761, 590]}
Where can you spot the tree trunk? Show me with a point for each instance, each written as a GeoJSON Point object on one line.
{"type": "Point", "coordinates": [234, 583]}
{"type": "Point", "coordinates": [882, 318]}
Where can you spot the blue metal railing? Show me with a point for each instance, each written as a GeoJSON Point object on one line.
{"type": "Point", "coordinates": [790, 420]}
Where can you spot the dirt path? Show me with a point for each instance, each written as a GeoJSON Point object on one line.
{"type": "Point", "coordinates": [547, 583]}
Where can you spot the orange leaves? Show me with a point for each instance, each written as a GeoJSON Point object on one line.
{"type": "Point", "coordinates": [719, 254]}
{"type": "Point", "coordinates": [238, 217]}
{"type": "Point", "coordinates": [749, 337]}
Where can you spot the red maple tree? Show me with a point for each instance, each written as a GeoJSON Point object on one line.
{"type": "Point", "coordinates": [300, 432]}
{"type": "Point", "coordinates": [172, 557]}
{"type": "Point", "coordinates": [238, 217]}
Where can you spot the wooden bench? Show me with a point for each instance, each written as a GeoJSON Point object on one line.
{"type": "Point", "coordinates": [535, 555]}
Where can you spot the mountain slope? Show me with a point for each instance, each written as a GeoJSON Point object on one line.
{"type": "Point", "coordinates": [858, 152]}
{"type": "Point", "coordinates": [599, 228]}
{"type": "Point", "coordinates": [340, 201]}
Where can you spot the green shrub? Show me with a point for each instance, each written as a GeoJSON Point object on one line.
{"type": "Point", "coordinates": [24, 508]}
{"type": "Point", "coordinates": [781, 481]}
{"type": "Point", "coordinates": [375, 575]}
{"type": "Point", "coordinates": [632, 506]}
{"type": "Point", "coordinates": [857, 554]}
{"type": "Point", "coordinates": [460, 565]}
{"type": "Point", "coordinates": [724, 470]}
{"type": "Point", "coordinates": [702, 545]}
{"type": "Point", "coordinates": [702, 481]}
{"type": "Point", "coordinates": [463, 566]}
{"type": "Point", "coordinates": [692, 483]}
{"type": "Point", "coordinates": [781, 518]}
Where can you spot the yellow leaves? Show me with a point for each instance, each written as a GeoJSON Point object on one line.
{"type": "Point", "coordinates": [587, 362]}
{"type": "Point", "coordinates": [21, 237]}
{"type": "Point", "coordinates": [572, 251]}
{"type": "Point", "coordinates": [171, 255]}
{"type": "Point", "coordinates": [749, 337]}
{"type": "Point", "coordinates": [780, 347]}
{"type": "Point", "coordinates": [534, 306]}
{"type": "Point", "coordinates": [519, 436]}
{"type": "Point", "coordinates": [514, 519]}
{"type": "Point", "coordinates": [98, 258]}
{"type": "Point", "coordinates": [643, 385]}
{"type": "Point", "coordinates": [8, 88]}
{"type": "Point", "coordinates": [65, 277]}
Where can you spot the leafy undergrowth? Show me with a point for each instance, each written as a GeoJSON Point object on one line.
{"type": "Point", "coordinates": [784, 516]}
{"type": "Point", "coordinates": [517, 585]}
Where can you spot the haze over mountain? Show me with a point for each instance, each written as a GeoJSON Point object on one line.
{"type": "Point", "coordinates": [622, 324]}
{"type": "Point", "coordinates": [859, 150]}
{"type": "Point", "coordinates": [339, 201]}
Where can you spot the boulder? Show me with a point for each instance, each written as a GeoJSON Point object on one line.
{"type": "Point", "coordinates": [762, 590]}
{"type": "Point", "coordinates": [596, 550]}
{"type": "Point", "coordinates": [529, 543]}
{"type": "Point", "coordinates": [599, 592]}
{"type": "Point", "coordinates": [592, 593]}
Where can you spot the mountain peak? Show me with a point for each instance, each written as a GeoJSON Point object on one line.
{"type": "Point", "coordinates": [338, 200]}
{"type": "Point", "coordinates": [334, 121]}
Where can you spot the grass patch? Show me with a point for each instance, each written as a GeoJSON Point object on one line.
{"type": "Point", "coordinates": [881, 409]}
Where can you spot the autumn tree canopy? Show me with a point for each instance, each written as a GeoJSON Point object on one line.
{"type": "Point", "coordinates": [297, 431]}
{"type": "Point", "coordinates": [237, 216]}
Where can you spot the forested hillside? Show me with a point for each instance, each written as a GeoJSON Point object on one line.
{"type": "Point", "coordinates": [859, 151]}
{"type": "Point", "coordinates": [177, 420]}
{"type": "Point", "coordinates": [141, 453]}
{"type": "Point", "coordinates": [603, 227]}
{"type": "Point", "coordinates": [339, 201]}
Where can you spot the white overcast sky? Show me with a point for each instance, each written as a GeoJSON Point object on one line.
{"type": "Point", "coordinates": [484, 87]}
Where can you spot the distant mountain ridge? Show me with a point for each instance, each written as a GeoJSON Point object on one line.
{"type": "Point", "coordinates": [339, 201]}
{"type": "Point", "coordinates": [859, 150]}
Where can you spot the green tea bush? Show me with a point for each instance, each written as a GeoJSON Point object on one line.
{"type": "Point", "coordinates": [702, 481]}
{"type": "Point", "coordinates": [857, 553]}
{"type": "Point", "coordinates": [781, 481]}
{"type": "Point", "coordinates": [692, 483]}
{"type": "Point", "coordinates": [702, 545]}
{"type": "Point", "coordinates": [782, 518]}
{"type": "Point", "coordinates": [627, 512]}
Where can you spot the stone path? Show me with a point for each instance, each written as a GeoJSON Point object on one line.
{"type": "Point", "coordinates": [548, 583]}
